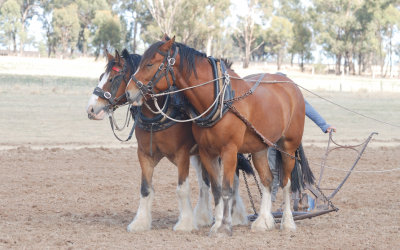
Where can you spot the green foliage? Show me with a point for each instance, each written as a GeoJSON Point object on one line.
{"type": "Point", "coordinates": [66, 27]}
{"type": "Point", "coordinates": [10, 22]}
{"type": "Point", "coordinates": [107, 31]}
{"type": "Point", "coordinates": [278, 38]}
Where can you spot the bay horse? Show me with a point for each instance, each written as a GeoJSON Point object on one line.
{"type": "Point", "coordinates": [162, 139]}
{"type": "Point", "coordinates": [262, 115]}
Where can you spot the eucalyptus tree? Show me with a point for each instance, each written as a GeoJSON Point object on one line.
{"type": "Point", "coordinates": [10, 23]}
{"type": "Point", "coordinates": [245, 29]}
{"type": "Point", "coordinates": [387, 23]}
{"type": "Point", "coordinates": [138, 17]}
{"type": "Point", "coordinates": [86, 13]}
{"type": "Point", "coordinates": [106, 31]}
{"type": "Point", "coordinates": [65, 23]}
{"type": "Point", "coordinates": [15, 17]}
{"type": "Point", "coordinates": [337, 27]}
{"type": "Point", "coordinates": [301, 45]}
{"type": "Point", "coordinates": [199, 27]}
{"type": "Point", "coordinates": [278, 38]}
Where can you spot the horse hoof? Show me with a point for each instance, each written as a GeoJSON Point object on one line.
{"type": "Point", "coordinates": [239, 219]}
{"type": "Point", "coordinates": [185, 226]}
{"type": "Point", "coordinates": [262, 224]}
{"type": "Point", "coordinates": [137, 226]}
{"type": "Point", "coordinates": [288, 225]}
{"type": "Point", "coordinates": [222, 231]}
{"type": "Point", "coordinates": [204, 219]}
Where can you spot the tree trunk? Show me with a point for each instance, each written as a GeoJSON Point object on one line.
{"type": "Point", "coordinates": [246, 60]}
{"type": "Point", "coordinates": [134, 43]}
{"type": "Point", "coordinates": [14, 38]}
{"type": "Point", "coordinates": [302, 61]}
{"type": "Point", "coordinates": [22, 42]}
{"type": "Point", "coordinates": [338, 64]}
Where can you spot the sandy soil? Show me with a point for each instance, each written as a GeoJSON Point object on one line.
{"type": "Point", "coordinates": [65, 182]}
{"type": "Point", "coordinates": [85, 198]}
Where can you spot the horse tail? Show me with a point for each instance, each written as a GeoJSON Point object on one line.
{"type": "Point", "coordinates": [301, 175]}
{"type": "Point", "coordinates": [243, 164]}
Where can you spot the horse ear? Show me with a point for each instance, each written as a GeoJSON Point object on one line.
{"type": "Point", "coordinates": [165, 38]}
{"type": "Point", "coordinates": [117, 56]}
{"type": "Point", "coordinates": [109, 56]}
{"type": "Point", "coordinates": [167, 45]}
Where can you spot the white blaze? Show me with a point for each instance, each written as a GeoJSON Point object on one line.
{"type": "Point", "coordinates": [93, 99]}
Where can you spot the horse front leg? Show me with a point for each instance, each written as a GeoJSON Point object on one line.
{"type": "Point", "coordinates": [229, 161]}
{"type": "Point", "coordinates": [212, 166]}
{"type": "Point", "coordinates": [202, 211]}
{"type": "Point", "coordinates": [186, 220]}
{"type": "Point", "coordinates": [142, 220]}
{"type": "Point", "coordinates": [265, 221]}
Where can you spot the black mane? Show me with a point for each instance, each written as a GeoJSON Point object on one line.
{"type": "Point", "coordinates": [132, 60]}
{"type": "Point", "coordinates": [187, 54]}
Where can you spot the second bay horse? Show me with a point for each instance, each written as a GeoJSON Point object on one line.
{"type": "Point", "coordinates": [174, 141]}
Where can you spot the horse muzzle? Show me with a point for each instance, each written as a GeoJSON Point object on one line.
{"type": "Point", "coordinates": [92, 115]}
{"type": "Point", "coordinates": [136, 99]}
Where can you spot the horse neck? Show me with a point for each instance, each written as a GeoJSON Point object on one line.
{"type": "Point", "coordinates": [201, 97]}
{"type": "Point", "coordinates": [147, 112]}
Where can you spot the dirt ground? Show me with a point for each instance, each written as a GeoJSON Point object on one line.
{"type": "Point", "coordinates": [85, 198]}
{"type": "Point", "coordinates": [66, 183]}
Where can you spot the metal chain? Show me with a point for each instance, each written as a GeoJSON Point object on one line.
{"type": "Point", "coordinates": [249, 193]}
{"type": "Point", "coordinates": [263, 139]}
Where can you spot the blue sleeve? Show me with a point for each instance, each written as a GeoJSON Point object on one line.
{"type": "Point", "coordinates": [316, 117]}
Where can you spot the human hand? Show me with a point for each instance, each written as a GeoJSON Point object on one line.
{"type": "Point", "coordinates": [331, 128]}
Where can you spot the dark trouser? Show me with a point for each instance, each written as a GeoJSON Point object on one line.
{"type": "Point", "coordinates": [275, 173]}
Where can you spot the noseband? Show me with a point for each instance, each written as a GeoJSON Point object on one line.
{"type": "Point", "coordinates": [165, 67]}
{"type": "Point", "coordinates": [115, 83]}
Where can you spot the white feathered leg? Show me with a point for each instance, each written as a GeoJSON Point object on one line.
{"type": "Point", "coordinates": [265, 220]}
{"type": "Point", "coordinates": [287, 218]}
{"type": "Point", "coordinates": [239, 214]}
{"type": "Point", "coordinates": [186, 220]}
{"type": "Point", "coordinates": [203, 210]}
{"type": "Point", "coordinates": [142, 220]}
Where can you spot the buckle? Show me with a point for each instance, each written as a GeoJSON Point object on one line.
{"type": "Point", "coordinates": [171, 61]}
{"type": "Point", "coordinates": [139, 84]}
{"type": "Point", "coordinates": [107, 95]}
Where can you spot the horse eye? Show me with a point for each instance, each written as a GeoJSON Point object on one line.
{"type": "Point", "coordinates": [149, 65]}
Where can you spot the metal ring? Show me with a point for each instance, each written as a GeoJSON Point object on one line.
{"type": "Point", "coordinates": [107, 95]}
{"type": "Point", "coordinates": [171, 61]}
{"type": "Point", "coordinates": [161, 67]}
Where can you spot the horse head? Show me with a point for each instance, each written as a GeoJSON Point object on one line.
{"type": "Point", "coordinates": [110, 91]}
{"type": "Point", "coordinates": [155, 73]}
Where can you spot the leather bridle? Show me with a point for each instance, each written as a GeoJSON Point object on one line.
{"type": "Point", "coordinates": [115, 84]}
{"type": "Point", "coordinates": [165, 68]}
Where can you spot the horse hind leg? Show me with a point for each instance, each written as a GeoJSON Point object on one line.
{"type": "Point", "coordinates": [186, 221]}
{"type": "Point", "coordinates": [287, 222]}
{"type": "Point", "coordinates": [265, 220]}
{"type": "Point", "coordinates": [203, 211]}
{"type": "Point", "coordinates": [142, 220]}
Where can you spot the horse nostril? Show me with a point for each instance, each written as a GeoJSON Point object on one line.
{"type": "Point", "coordinates": [127, 95]}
